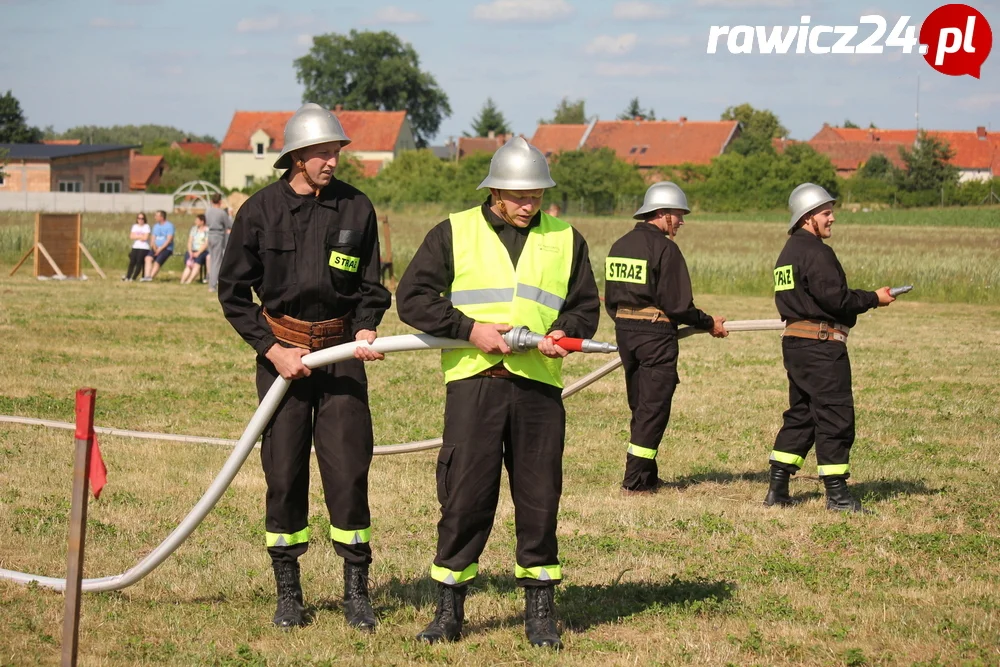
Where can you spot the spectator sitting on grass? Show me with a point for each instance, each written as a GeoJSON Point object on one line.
{"type": "Point", "coordinates": [197, 250]}
{"type": "Point", "coordinates": [162, 246]}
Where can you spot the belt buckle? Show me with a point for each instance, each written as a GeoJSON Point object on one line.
{"type": "Point", "coordinates": [824, 331]}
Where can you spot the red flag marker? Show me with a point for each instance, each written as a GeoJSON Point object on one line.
{"type": "Point", "coordinates": [98, 472]}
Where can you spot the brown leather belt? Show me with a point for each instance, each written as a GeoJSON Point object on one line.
{"type": "Point", "coordinates": [817, 330]}
{"type": "Point", "coordinates": [309, 335]}
{"type": "Point", "coordinates": [647, 314]}
{"type": "Point", "coordinates": [497, 371]}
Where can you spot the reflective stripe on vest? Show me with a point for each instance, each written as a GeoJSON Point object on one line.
{"type": "Point", "coordinates": [488, 288]}
{"type": "Point", "coordinates": [287, 539]}
{"type": "Point", "coordinates": [453, 578]}
{"type": "Point", "coordinates": [362, 536]}
{"type": "Point", "coordinates": [785, 457]}
{"type": "Point", "coordinates": [541, 573]}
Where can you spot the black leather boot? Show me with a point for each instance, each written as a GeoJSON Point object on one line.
{"type": "Point", "coordinates": [839, 499]}
{"type": "Point", "coordinates": [357, 605]}
{"type": "Point", "coordinates": [777, 492]}
{"type": "Point", "coordinates": [448, 619]}
{"type": "Point", "coordinates": [539, 616]}
{"type": "Point", "coordinates": [291, 613]}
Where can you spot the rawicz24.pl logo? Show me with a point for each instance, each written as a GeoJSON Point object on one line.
{"type": "Point", "coordinates": [954, 39]}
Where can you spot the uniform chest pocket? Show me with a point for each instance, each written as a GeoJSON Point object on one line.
{"type": "Point", "coordinates": [344, 257]}
{"type": "Point", "coordinates": [278, 257]}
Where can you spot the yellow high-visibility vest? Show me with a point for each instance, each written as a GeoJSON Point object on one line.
{"type": "Point", "coordinates": [489, 289]}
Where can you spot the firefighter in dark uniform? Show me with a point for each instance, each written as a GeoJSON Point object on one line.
{"type": "Point", "coordinates": [307, 245]}
{"type": "Point", "coordinates": [474, 276]}
{"type": "Point", "coordinates": [648, 293]}
{"type": "Point", "coordinates": [811, 293]}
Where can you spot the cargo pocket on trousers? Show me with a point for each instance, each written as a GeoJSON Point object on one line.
{"type": "Point", "coordinates": [443, 468]}
{"type": "Point", "coordinates": [835, 416]}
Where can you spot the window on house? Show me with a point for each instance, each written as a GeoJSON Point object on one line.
{"type": "Point", "coordinates": [634, 149]}
{"type": "Point", "coordinates": [2, 175]}
{"type": "Point", "coordinates": [643, 150]}
{"type": "Point", "coordinates": [249, 181]}
{"type": "Point", "coordinates": [70, 186]}
{"type": "Point", "coordinates": [260, 149]}
{"type": "Point", "coordinates": [109, 186]}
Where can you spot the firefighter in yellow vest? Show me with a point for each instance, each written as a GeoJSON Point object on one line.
{"type": "Point", "coordinates": [476, 275]}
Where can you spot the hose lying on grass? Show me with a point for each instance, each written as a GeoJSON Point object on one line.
{"type": "Point", "coordinates": [255, 427]}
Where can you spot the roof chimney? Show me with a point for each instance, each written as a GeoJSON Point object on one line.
{"type": "Point", "coordinates": [338, 108]}
{"type": "Point", "coordinates": [491, 134]}
{"type": "Point", "coordinates": [682, 120]}
{"type": "Point", "coordinates": [637, 118]}
{"type": "Point", "coordinates": [981, 132]}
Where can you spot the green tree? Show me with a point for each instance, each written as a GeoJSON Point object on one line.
{"type": "Point", "coordinates": [877, 167]}
{"type": "Point", "coordinates": [635, 110]}
{"type": "Point", "coordinates": [183, 167]}
{"type": "Point", "coordinates": [926, 169]}
{"type": "Point", "coordinates": [759, 126]}
{"type": "Point", "coordinates": [153, 137]}
{"type": "Point", "coordinates": [849, 125]}
{"type": "Point", "coordinates": [597, 179]}
{"type": "Point", "coordinates": [14, 128]}
{"type": "Point", "coordinates": [372, 71]}
{"type": "Point", "coordinates": [568, 113]}
{"type": "Point", "coordinates": [490, 119]}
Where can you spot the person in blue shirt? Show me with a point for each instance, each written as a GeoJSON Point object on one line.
{"type": "Point", "coordinates": [161, 246]}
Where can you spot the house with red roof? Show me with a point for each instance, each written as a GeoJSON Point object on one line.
{"type": "Point", "coordinates": [646, 143]}
{"type": "Point", "coordinates": [255, 138]}
{"type": "Point", "coordinates": [196, 148]}
{"type": "Point", "coordinates": [977, 154]}
{"type": "Point", "coordinates": [145, 170]}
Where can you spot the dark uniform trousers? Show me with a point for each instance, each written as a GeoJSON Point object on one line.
{"type": "Point", "coordinates": [489, 422]}
{"type": "Point", "coordinates": [330, 408]}
{"type": "Point", "coordinates": [649, 359]}
{"type": "Point", "coordinates": [820, 406]}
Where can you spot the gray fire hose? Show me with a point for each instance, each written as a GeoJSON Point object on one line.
{"type": "Point", "coordinates": [263, 415]}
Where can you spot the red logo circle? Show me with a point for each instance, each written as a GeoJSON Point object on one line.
{"type": "Point", "coordinates": [956, 40]}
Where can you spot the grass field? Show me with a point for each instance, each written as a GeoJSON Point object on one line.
{"type": "Point", "coordinates": [701, 573]}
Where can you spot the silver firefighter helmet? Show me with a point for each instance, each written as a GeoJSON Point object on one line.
{"type": "Point", "coordinates": [517, 165]}
{"type": "Point", "coordinates": [805, 198]}
{"type": "Point", "coordinates": [662, 195]}
{"type": "Point", "coordinates": [309, 126]}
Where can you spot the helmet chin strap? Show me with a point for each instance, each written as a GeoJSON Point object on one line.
{"type": "Point", "coordinates": [305, 174]}
{"type": "Point", "coordinates": [502, 209]}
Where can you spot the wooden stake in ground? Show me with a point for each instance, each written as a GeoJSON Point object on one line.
{"type": "Point", "coordinates": [93, 262]}
{"type": "Point", "coordinates": [77, 523]}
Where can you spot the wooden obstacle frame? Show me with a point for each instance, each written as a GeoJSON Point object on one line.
{"type": "Point", "coordinates": [57, 247]}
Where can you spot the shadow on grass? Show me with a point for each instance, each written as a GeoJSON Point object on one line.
{"type": "Point", "coordinates": [578, 606]}
{"type": "Point", "coordinates": [583, 607]}
{"type": "Point", "coordinates": [886, 489]}
{"type": "Point", "coordinates": [716, 477]}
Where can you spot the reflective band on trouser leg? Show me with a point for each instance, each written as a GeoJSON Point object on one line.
{"type": "Point", "coordinates": [541, 573]}
{"type": "Point", "coordinates": [641, 452]}
{"type": "Point", "coordinates": [785, 457]}
{"type": "Point", "coordinates": [286, 539]}
{"type": "Point", "coordinates": [828, 471]}
{"type": "Point", "coordinates": [453, 578]}
{"type": "Point", "coordinates": [362, 536]}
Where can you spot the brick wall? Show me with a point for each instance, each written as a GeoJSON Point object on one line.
{"type": "Point", "coordinates": [92, 169]}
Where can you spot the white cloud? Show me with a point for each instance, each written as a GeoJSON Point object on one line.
{"type": "Point", "coordinates": [640, 11]}
{"type": "Point", "coordinates": [264, 24]}
{"type": "Point", "coordinates": [536, 11]}
{"type": "Point", "coordinates": [111, 24]}
{"type": "Point", "coordinates": [304, 40]}
{"type": "Point", "coordinates": [632, 70]}
{"type": "Point", "coordinates": [983, 102]}
{"type": "Point", "coordinates": [393, 14]}
{"type": "Point", "coordinates": [607, 45]}
{"type": "Point", "coordinates": [750, 4]}
{"type": "Point", "coordinates": [673, 41]}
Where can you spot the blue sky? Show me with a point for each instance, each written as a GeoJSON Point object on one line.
{"type": "Point", "coordinates": [191, 64]}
